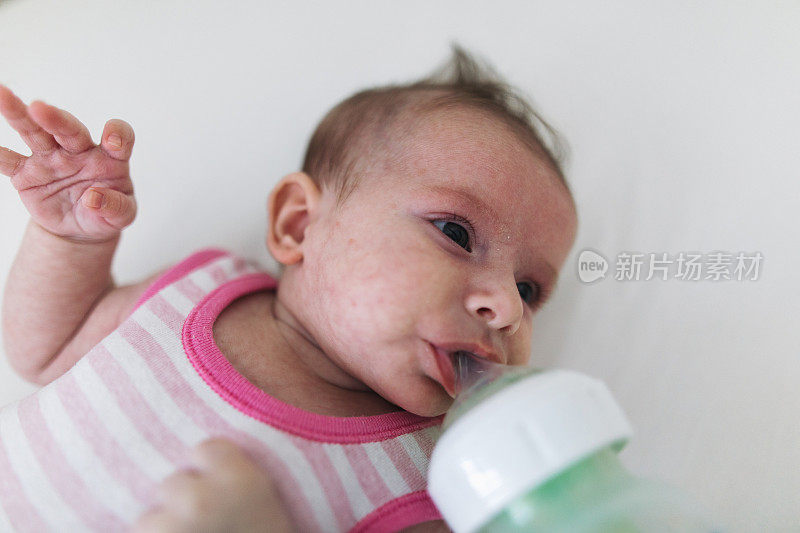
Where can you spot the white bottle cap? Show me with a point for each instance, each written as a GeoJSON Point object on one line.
{"type": "Point", "coordinates": [517, 439]}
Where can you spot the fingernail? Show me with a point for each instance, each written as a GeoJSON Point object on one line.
{"type": "Point", "coordinates": [93, 199]}
{"type": "Point", "coordinates": [115, 140]}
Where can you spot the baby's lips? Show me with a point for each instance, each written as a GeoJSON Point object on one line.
{"type": "Point", "coordinates": [447, 374]}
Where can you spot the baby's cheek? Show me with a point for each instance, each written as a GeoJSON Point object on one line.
{"type": "Point", "coordinates": [521, 344]}
{"type": "Point", "coordinates": [375, 284]}
{"type": "Point", "coordinates": [382, 296]}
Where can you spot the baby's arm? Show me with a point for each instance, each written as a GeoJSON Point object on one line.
{"type": "Point", "coordinates": [60, 291]}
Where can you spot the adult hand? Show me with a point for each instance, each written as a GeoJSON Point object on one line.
{"type": "Point", "coordinates": [226, 491]}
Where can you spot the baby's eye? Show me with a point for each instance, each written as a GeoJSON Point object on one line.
{"type": "Point", "coordinates": [457, 232]}
{"type": "Point", "coordinates": [529, 293]}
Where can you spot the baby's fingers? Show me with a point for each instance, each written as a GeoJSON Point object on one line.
{"type": "Point", "coordinates": [67, 130]}
{"type": "Point", "coordinates": [10, 162]}
{"type": "Point", "coordinates": [116, 208]}
{"type": "Point", "coordinates": [16, 114]}
{"type": "Point", "coordinates": [117, 139]}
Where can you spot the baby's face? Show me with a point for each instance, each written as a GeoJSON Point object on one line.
{"type": "Point", "coordinates": [453, 246]}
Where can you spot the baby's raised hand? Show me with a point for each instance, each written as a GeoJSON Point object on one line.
{"type": "Point", "coordinates": [224, 492]}
{"type": "Point", "coordinates": [72, 187]}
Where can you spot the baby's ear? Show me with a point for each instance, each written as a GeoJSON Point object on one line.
{"type": "Point", "coordinates": [289, 208]}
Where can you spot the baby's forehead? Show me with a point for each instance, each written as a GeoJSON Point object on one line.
{"type": "Point", "coordinates": [465, 163]}
{"type": "Point", "coordinates": [460, 147]}
{"type": "Point", "coordinates": [464, 143]}
{"type": "Point", "coordinates": [424, 122]}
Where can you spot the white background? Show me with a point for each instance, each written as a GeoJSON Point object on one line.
{"type": "Point", "coordinates": [683, 122]}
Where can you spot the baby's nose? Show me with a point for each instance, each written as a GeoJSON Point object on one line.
{"type": "Point", "coordinates": [499, 306]}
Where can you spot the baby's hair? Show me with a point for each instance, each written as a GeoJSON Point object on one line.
{"type": "Point", "coordinates": [366, 124]}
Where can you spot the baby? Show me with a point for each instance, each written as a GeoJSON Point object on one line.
{"type": "Point", "coordinates": [429, 218]}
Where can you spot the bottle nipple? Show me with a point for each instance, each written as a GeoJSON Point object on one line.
{"type": "Point", "coordinates": [474, 372]}
{"type": "Point", "coordinates": [478, 378]}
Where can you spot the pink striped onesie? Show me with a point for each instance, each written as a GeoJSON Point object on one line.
{"type": "Point", "coordinates": [85, 452]}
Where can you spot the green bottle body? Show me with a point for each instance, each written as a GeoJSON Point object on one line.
{"type": "Point", "coordinates": [598, 495]}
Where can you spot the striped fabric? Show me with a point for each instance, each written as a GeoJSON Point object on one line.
{"type": "Point", "coordinates": [85, 452]}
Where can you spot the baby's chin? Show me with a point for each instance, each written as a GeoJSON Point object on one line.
{"type": "Point", "coordinates": [431, 407]}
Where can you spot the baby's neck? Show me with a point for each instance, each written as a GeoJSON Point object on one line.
{"type": "Point", "coordinates": [262, 345]}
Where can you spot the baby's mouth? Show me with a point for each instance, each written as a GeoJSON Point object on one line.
{"type": "Point", "coordinates": [455, 368]}
{"type": "Point", "coordinates": [469, 369]}
{"type": "Point", "coordinates": [445, 364]}
{"type": "Point", "coordinates": [457, 358]}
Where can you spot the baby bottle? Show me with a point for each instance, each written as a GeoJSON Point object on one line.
{"type": "Point", "coordinates": [536, 450]}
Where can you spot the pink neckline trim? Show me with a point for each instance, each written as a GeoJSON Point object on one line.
{"type": "Point", "coordinates": [234, 388]}
{"type": "Point", "coordinates": [407, 510]}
